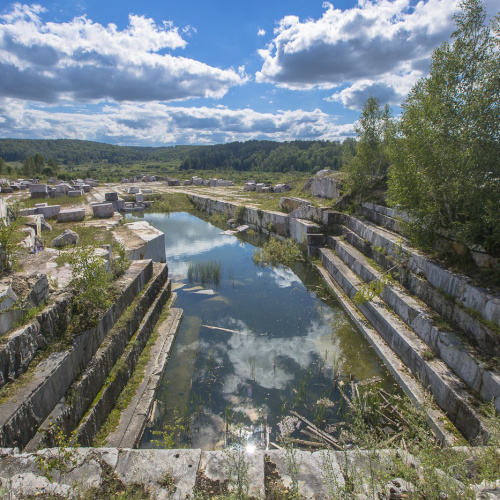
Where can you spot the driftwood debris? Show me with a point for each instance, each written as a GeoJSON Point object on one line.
{"type": "Point", "coordinates": [323, 435]}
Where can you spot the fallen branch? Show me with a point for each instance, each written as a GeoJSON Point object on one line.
{"type": "Point", "coordinates": [310, 444]}
{"type": "Point", "coordinates": [323, 435]}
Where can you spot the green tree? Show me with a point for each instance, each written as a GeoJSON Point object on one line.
{"type": "Point", "coordinates": [53, 165]}
{"type": "Point", "coordinates": [2, 165]}
{"type": "Point", "coordinates": [39, 163]}
{"type": "Point", "coordinates": [370, 161]}
{"type": "Point", "coordinates": [28, 166]}
{"type": "Point", "coordinates": [445, 162]}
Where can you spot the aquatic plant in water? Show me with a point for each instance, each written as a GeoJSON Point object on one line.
{"type": "Point", "coordinates": [204, 272]}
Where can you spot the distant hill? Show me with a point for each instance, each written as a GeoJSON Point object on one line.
{"type": "Point", "coordinates": [241, 156]}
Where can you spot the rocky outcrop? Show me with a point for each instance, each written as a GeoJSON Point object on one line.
{"type": "Point", "coordinates": [323, 187]}
{"type": "Point", "coordinates": [68, 237]}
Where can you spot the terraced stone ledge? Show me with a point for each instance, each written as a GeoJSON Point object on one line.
{"type": "Point", "coordinates": [22, 414]}
{"type": "Point", "coordinates": [470, 296]}
{"type": "Point", "coordinates": [459, 355]}
{"type": "Point", "coordinates": [139, 412]}
{"type": "Point", "coordinates": [479, 331]}
{"type": "Point", "coordinates": [449, 392]}
{"type": "Point", "coordinates": [105, 401]}
{"type": "Point", "coordinates": [80, 395]}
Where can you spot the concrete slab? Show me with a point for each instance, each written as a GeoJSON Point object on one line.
{"type": "Point", "coordinates": [39, 190]}
{"type": "Point", "coordinates": [221, 470]}
{"type": "Point", "coordinates": [103, 210]}
{"type": "Point", "coordinates": [169, 473]}
{"type": "Point", "coordinates": [73, 215]}
{"type": "Point", "coordinates": [49, 212]}
{"type": "Point", "coordinates": [111, 196]}
{"type": "Point", "coordinates": [309, 479]}
{"type": "Point", "coordinates": [143, 241]}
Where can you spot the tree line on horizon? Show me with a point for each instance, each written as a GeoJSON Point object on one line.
{"type": "Point", "coordinates": [255, 155]}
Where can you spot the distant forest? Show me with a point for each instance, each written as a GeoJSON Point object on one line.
{"type": "Point", "coordinates": [265, 156]}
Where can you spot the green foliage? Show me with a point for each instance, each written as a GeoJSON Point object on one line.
{"type": "Point", "coordinates": [120, 263]}
{"type": "Point", "coordinates": [10, 238]}
{"type": "Point", "coordinates": [487, 459]}
{"type": "Point", "coordinates": [240, 212]}
{"type": "Point", "coordinates": [177, 424]}
{"type": "Point", "coordinates": [370, 160]}
{"type": "Point", "coordinates": [371, 290]}
{"type": "Point", "coordinates": [445, 166]}
{"type": "Point", "coordinates": [91, 159]}
{"type": "Point", "coordinates": [266, 156]}
{"type": "Point", "coordinates": [276, 252]}
{"type": "Point", "coordinates": [237, 469]}
{"type": "Point", "coordinates": [28, 166]}
{"type": "Point", "coordinates": [218, 219]}
{"type": "Point", "coordinates": [170, 202]}
{"type": "Point", "coordinates": [90, 283]}
{"type": "Point", "coordinates": [39, 162]}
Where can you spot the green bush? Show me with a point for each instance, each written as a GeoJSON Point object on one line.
{"type": "Point", "coordinates": [91, 285]}
{"type": "Point", "coordinates": [276, 252]}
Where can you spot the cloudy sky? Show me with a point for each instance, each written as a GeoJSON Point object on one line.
{"type": "Point", "coordinates": [200, 72]}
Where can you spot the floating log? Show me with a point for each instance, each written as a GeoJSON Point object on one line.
{"type": "Point", "coordinates": [223, 329]}
{"type": "Point", "coordinates": [370, 381]}
{"type": "Point", "coordinates": [310, 444]}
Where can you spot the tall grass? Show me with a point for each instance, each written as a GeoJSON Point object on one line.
{"type": "Point", "coordinates": [205, 272]}
{"type": "Point", "coordinates": [170, 202]}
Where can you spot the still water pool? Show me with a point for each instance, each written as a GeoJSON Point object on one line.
{"type": "Point", "coordinates": [252, 347]}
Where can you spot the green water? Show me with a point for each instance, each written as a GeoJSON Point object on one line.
{"type": "Point", "coordinates": [253, 346]}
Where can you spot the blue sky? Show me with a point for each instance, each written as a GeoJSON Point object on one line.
{"type": "Point", "coordinates": [203, 72]}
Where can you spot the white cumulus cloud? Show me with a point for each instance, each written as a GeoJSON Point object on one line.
{"type": "Point", "coordinates": [156, 123]}
{"type": "Point", "coordinates": [375, 48]}
{"type": "Point", "coordinates": [85, 61]}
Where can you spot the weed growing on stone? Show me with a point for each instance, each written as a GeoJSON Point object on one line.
{"type": "Point", "coordinates": [167, 482]}
{"type": "Point", "coordinates": [240, 213]}
{"type": "Point", "coordinates": [487, 458]}
{"type": "Point", "coordinates": [237, 467]}
{"type": "Point", "coordinates": [287, 426]}
{"type": "Point", "coordinates": [127, 394]}
{"type": "Point", "coordinates": [121, 262]}
{"type": "Point", "coordinates": [62, 460]}
{"type": "Point", "coordinates": [371, 290]}
{"type": "Point", "coordinates": [219, 220]}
